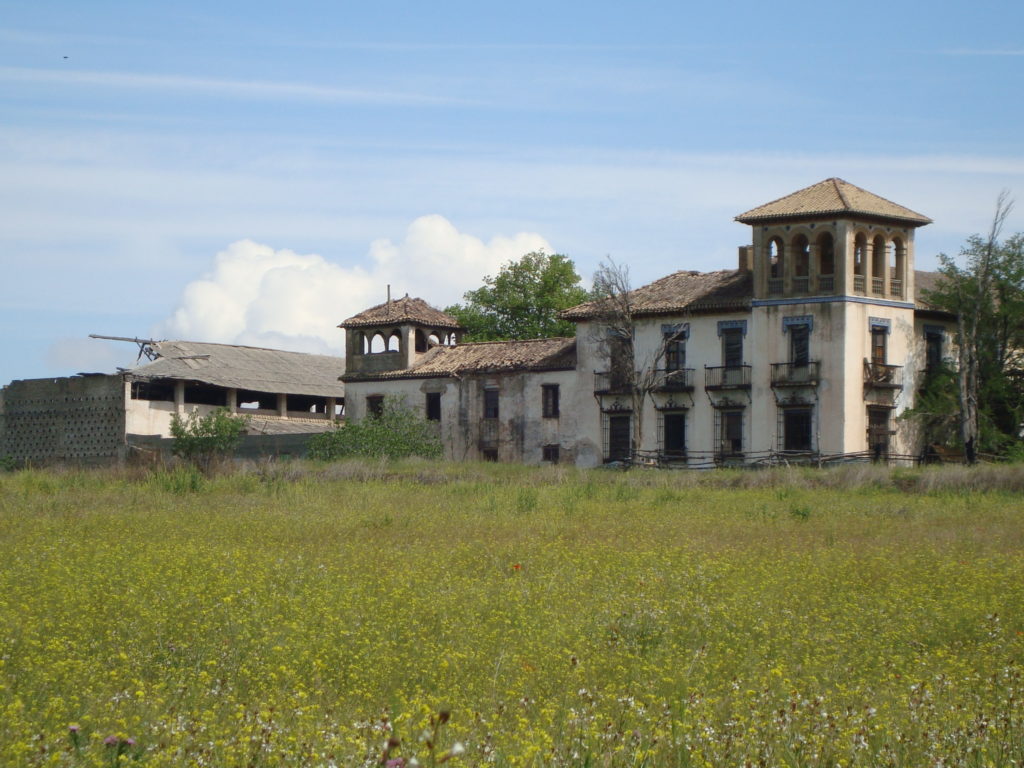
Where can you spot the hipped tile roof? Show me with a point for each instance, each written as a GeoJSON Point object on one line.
{"type": "Point", "coordinates": [832, 197]}
{"type": "Point", "coordinates": [253, 368]}
{"type": "Point", "coordinates": [485, 357]}
{"type": "Point", "coordinates": [404, 310]}
{"type": "Point", "coordinates": [684, 291]}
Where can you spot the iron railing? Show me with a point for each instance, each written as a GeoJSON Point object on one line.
{"type": "Point", "coordinates": [858, 283]}
{"type": "Point", "coordinates": [877, 375]}
{"type": "Point", "coordinates": [613, 382]}
{"type": "Point", "coordinates": [727, 377]}
{"type": "Point", "coordinates": [678, 380]}
{"type": "Point", "coordinates": [801, 284]}
{"type": "Point", "coordinates": [826, 283]}
{"type": "Point", "coordinates": [896, 288]}
{"type": "Point", "coordinates": [795, 374]}
{"type": "Point", "coordinates": [878, 286]}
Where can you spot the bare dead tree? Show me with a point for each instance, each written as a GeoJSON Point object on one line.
{"type": "Point", "coordinates": [632, 371]}
{"type": "Point", "coordinates": [973, 288]}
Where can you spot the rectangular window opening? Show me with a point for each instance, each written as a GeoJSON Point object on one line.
{"type": "Point", "coordinates": [797, 429]}
{"type": "Point", "coordinates": [374, 405]}
{"type": "Point", "coordinates": [490, 403]}
{"type": "Point", "coordinates": [549, 453]}
{"type": "Point", "coordinates": [550, 396]}
{"type": "Point", "coordinates": [433, 406]}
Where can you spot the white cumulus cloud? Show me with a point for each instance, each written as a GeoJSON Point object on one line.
{"type": "Point", "coordinates": [259, 296]}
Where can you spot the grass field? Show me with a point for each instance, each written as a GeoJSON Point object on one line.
{"type": "Point", "coordinates": [304, 616]}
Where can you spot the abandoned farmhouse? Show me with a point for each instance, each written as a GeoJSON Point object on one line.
{"type": "Point", "coordinates": [812, 345]}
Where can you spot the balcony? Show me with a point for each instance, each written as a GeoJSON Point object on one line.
{"type": "Point", "coordinates": [727, 377]}
{"type": "Point", "coordinates": [677, 380]}
{"type": "Point", "coordinates": [878, 286]}
{"type": "Point", "coordinates": [801, 284]}
{"type": "Point", "coordinates": [879, 376]}
{"type": "Point", "coordinates": [896, 288]}
{"type": "Point", "coordinates": [775, 285]}
{"type": "Point", "coordinates": [858, 283]}
{"type": "Point", "coordinates": [826, 283]}
{"type": "Point", "coordinates": [796, 374]}
{"type": "Point", "coordinates": [612, 383]}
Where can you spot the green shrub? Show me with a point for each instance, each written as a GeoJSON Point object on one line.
{"type": "Point", "coordinates": [205, 440]}
{"type": "Point", "coordinates": [399, 431]}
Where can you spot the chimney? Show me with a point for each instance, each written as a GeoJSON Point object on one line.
{"type": "Point", "coordinates": [746, 262]}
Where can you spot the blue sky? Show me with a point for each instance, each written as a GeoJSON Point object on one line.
{"type": "Point", "coordinates": [256, 172]}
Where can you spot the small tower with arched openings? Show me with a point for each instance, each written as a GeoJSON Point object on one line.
{"type": "Point", "coordinates": [833, 239]}
{"type": "Point", "coordinates": [393, 335]}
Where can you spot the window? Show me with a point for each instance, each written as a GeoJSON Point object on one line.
{"type": "Point", "coordinates": [618, 436]}
{"type": "Point", "coordinates": [550, 453]}
{"type": "Point", "coordinates": [675, 352]}
{"type": "Point", "coordinates": [673, 434]}
{"type": "Point", "coordinates": [549, 394]}
{"type": "Point", "coordinates": [797, 430]}
{"type": "Point", "coordinates": [879, 430]}
{"type": "Point", "coordinates": [433, 406]}
{"type": "Point", "coordinates": [799, 345]}
{"type": "Point", "coordinates": [374, 405]}
{"type": "Point", "coordinates": [732, 347]}
{"type": "Point", "coordinates": [879, 334]}
{"type": "Point", "coordinates": [490, 403]}
{"type": "Point", "coordinates": [730, 432]}
{"type": "Point", "coordinates": [933, 349]}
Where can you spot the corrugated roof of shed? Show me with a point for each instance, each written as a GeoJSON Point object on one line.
{"type": "Point", "coordinates": [253, 368]}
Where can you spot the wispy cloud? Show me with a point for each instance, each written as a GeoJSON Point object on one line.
{"type": "Point", "coordinates": [248, 89]}
{"type": "Point", "coordinates": [984, 52]}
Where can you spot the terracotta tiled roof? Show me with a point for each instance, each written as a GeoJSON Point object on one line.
{"type": "Point", "coordinates": [485, 357]}
{"type": "Point", "coordinates": [726, 289]}
{"type": "Point", "coordinates": [254, 368]}
{"type": "Point", "coordinates": [404, 310]}
{"type": "Point", "coordinates": [835, 197]}
{"type": "Point", "coordinates": [924, 282]}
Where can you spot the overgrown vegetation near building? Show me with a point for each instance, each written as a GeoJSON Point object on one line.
{"type": "Point", "coordinates": [310, 614]}
{"type": "Point", "coordinates": [207, 440]}
{"type": "Point", "coordinates": [397, 432]}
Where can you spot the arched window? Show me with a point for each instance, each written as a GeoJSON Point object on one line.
{"type": "Point", "coordinates": [394, 342]}
{"type": "Point", "coordinates": [421, 341]}
{"type": "Point", "coordinates": [775, 256]}
{"type": "Point", "coordinates": [879, 265]}
{"type": "Point", "coordinates": [432, 339]}
{"type": "Point", "coordinates": [377, 343]}
{"type": "Point", "coordinates": [860, 250]}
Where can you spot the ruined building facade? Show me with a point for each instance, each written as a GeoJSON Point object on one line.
{"type": "Point", "coordinates": [813, 346]}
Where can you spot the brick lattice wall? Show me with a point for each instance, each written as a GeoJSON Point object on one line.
{"type": "Point", "coordinates": [76, 419]}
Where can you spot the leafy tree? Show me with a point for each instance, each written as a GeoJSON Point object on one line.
{"type": "Point", "coordinates": [523, 300]}
{"type": "Point", "coordinates": [205, 440]}
{"type": "Point", "coordinates": [987, 295]}
{"type": "Point", "coordinates": [399, 431]}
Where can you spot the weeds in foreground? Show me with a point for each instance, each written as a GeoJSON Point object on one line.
{"type": "Point", "coordinates": [282, 615]}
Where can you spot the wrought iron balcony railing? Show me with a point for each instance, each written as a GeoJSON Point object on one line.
{"type": "Point", "coordinates": [678, 380]}
{"type": "Point", "coordinates": [613, 382]}
{"type": "Point", "coordinates": [727, 377]}
{"type": "Point", "coordinates": [795, 374]}
{"type": "Point", "coordinates": [882, 376]}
